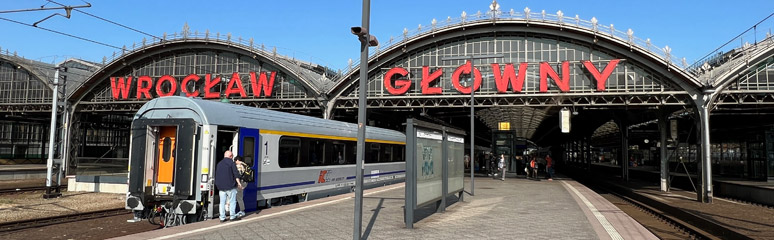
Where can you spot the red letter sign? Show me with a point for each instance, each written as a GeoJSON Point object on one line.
{"type": "Point", "coordinates": [428, 79]}
{"type": "Point", "coordinates": [466, 69]}
{"type": "Point", "coordinates": [208, 84]}
{"type": "Point", "coordinates": [262, 83]}
{"type": "Point", "coordinates": [144, 84]}
{"type": "Point", "coordinates": [161, 81]}
{"type": "Point", "coordinates": [122, 88]}
{"type": "Point", "coordinates": [184, 85]}
{"type": "Point", "coordinates": [239, 89]}
{"type": "Point", "coordinates": [509, 76]}
{"type": "Point", "coordinates": [601, 78]}
{"type": "Point", "coordinates": [402, 85]}
{"type": "Point", "coordinates": [547, 70]}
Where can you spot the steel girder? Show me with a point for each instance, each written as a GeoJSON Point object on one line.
{"type": "Point", "coordinates": [744, 98]}
{"type": "Point", "coordinates": [134, 106]}
{"type": "Point", "coordinates": [680, 99]}
{"type": "Point", "coordinates": [27, 107]}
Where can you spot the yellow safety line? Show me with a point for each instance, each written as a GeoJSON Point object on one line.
{"type": "Point", "coordinates": [309, 135]}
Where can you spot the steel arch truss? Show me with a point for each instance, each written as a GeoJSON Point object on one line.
{"type": "Point", "coordinates": [40, 107]}
{"type": "Point", "coordinates": [744, 98]}
{"type": "Point", "coordinates": [134, 106]}
{"type": "Point", "coordinates": [671, 98]}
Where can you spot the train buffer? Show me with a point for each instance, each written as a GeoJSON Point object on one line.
{"type": "Point", "coordinates": [512, 209]}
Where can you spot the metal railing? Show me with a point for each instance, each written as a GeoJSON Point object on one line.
{"type": "Point", "coordinates": [731, 50]}
{"type": "Point", "coordinates": [708, 70]}
{"type": "Point", "coordinates": [528, 16]}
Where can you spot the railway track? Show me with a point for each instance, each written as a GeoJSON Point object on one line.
{"type": "Point", "coordinates": [39, 222]}
{"type": "Point", "coordinates": [684, 223]}
{"type": "Point", "coordinates": [26, 189]}
{"type": "Point", "coordinates": [684, 229]}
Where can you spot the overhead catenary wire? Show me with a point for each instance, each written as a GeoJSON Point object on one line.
{"type": "Point", "coordinates": [106, 20]}
{"type": "Point", "coordinates": [104, 44]}
{"type": "Point", "coordinates": [133, 29]}
{"type": "Point", "coordinates": [174, 60]}
{"type": "Point", "coordinates": [61, 33]}
{"type": "Point", "coordinates": [754, 27]}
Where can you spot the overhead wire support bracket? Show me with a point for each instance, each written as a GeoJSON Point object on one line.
{"type": "Point", "coordinates": [67, 8]}
{"type": "Point", "coordinates": [68, 11]}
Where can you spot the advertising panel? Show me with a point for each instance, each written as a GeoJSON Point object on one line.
{"type": "Point", "coordinates": [429, 166]}
{"type": "Point", "coordinates": [456, 151]}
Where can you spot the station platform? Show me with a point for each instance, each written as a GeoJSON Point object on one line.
{"type": "Point", "coordinates": [515, 208]}
{"type": "Point", "coordinates": [22, 171]}
{"type": "Point", "coordinates": [760, 192]}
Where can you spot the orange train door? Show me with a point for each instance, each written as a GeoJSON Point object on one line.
{"type": "Point", "coordinates": [166, 154]}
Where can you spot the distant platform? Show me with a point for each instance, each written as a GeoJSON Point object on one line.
{"type": "Point", "coordinates": [22, 171]}
{"type": "Point", "coordinates": [761, 192]}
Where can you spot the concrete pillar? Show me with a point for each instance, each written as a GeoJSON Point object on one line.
{"type": "Point", "coordinates": [662, 127]}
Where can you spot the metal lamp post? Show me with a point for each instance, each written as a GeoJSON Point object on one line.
{"type": "Point", "coordinates": [472, 111]}
{"type": "Point", "coordinates": [366, 40]}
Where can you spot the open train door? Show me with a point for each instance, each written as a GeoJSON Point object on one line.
{"type": "Point", "coordinates": [249, 144]}
{"type": "Point", "coordinates": [165, 159]}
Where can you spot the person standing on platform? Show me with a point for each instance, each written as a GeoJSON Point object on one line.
{"type": "Point", "coordinates": [549, 167]}
{"type": "Point", "coordinates": [227, 181]}
{"type": "Point", "coordinates": [241, 166]}
{"type": "Point", "coordinates": [533, 168]}
{"type": "Point", "coordinates": [502, 166]}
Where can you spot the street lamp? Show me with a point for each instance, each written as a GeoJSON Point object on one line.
{"type": "Point", "coordinates": [470, 59]}
{"type": "Point", "coordinates": [366, 40]}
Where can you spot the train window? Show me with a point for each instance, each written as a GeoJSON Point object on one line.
{"type": "Point", "coordinates": [373, 154]}
{"type": "Point", "coordinates": [338, 154]}
{"type": "Point", "coordinates": [289, 152]}
{"type": "Point", "coordinates": [387, 153]}
{"type": "Point", "coordinates": [398, 153]}
{"type": "Point", "coordinates": [249, 150]}
{"type": "Point", "coordinates": [352, 153]}
{"type": "Point", "coordinates": [167, 146]}
{"type": "Point", "coordinates": [317, 152]}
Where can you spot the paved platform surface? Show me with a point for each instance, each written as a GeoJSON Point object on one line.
{"type": "Point", "coordinates": [512, 209]}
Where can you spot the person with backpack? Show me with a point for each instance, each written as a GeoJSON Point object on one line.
{"type": "Point", "coordinates": [533, 165]}
{"type": "Point", "coordinates": [227, 181]}
{"type": "Point", "coordinates": [242, 168]}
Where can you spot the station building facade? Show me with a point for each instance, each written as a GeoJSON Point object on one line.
{"type": "Point", "coordinates": [525, 68]}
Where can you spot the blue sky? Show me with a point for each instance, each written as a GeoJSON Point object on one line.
{"type": "Point", "coordinates": [318, 31]}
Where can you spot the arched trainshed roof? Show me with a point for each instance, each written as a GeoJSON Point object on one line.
{"type": "Point", "coordinates": [39, 70]}
{"type": "Point", "coordinates": [741, 76]}
{"type": "Point", "coordinates": [570, 29]}
{"type": "Point", "coordinates": [311, 76]}
{"type": "Point", "coordinates": [27, 85]}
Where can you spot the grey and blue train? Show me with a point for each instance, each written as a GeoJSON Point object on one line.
{"type": "Point", "coordinates": [176, 143]}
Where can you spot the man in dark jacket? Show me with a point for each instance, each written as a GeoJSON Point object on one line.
{"type": "Point", "coordinates": [227, 181]}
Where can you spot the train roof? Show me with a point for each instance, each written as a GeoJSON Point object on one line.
{"type": "Point", "coordinates": [208, 112]}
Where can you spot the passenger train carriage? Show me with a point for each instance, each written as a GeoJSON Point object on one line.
{"type": "Point", "coordinates": [176, 143]}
